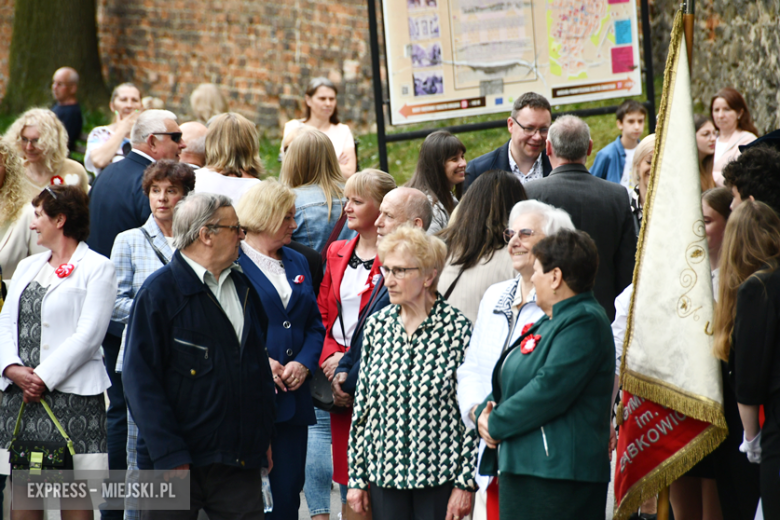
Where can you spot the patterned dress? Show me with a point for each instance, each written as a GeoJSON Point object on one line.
{"type": "Point", "coordinates": [82, 417]}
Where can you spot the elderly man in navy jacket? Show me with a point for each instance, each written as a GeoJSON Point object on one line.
{"type": "Point", "coordinates": [197, 376]}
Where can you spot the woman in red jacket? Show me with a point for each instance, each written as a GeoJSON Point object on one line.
{"type": "Point", "coordinates": [352, 270]}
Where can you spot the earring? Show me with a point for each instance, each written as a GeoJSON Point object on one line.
{"type": "Point", "coordinates": [555, 292]}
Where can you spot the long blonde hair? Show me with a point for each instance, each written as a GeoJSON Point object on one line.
{"type": "Point", "coordinates": [232, 146]}
{"type": "Point", "coordinates": [311, 161]}
{"type": "Point", "coordinates": [751, 245]}
{"type": "Point", "coordinates": [53, 141]}
{"type": "Point", "coordinates": [15, 192]}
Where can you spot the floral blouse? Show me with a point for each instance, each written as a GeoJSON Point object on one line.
{"type": "Point", "coordinates": [406, 427]}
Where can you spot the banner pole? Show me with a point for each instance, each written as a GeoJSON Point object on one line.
{"type": "Point", "coordinates": [689, 11]}
{"type": "Point", "coordinates": [663, 504]}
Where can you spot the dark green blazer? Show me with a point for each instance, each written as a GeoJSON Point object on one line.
{"type": "Point", "coordinates": [565, 387]}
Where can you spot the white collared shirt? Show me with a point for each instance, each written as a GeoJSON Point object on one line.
{"type": "Point", "coordinates": [536, 171]}
{"type": "Point", "coordinates": [142, 154]}
{"type": "Point", "coordinates": [224, 290]}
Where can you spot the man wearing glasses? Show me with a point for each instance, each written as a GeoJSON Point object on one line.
{"type": "Point", "coordinates": [524, 153]}
{"type": "Point", "coordinates": [117, 203]}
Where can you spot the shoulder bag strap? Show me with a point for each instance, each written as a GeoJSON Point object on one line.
{"type": "Point", "coordinates": [154, 247]}
{"type": "Point", "coordinates": [453, 284]}
{"type": "Point", "coordinates": [46, 407]}
{"type": "Point", "coordinates": [333, 236]}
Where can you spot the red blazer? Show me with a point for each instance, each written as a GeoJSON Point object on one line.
{"type": "Point", "coordinates": [339, 254]}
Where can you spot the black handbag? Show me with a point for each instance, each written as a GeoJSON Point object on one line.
{"type": "Point", "coordinates": [37, 455]}
{"type": "Point", "coordinates": [321, 392]}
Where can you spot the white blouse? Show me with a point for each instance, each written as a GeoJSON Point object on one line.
{"type": "Point", "coordinates": [273, 269]}
{"type": "Point", "coordinates": [353, 285]}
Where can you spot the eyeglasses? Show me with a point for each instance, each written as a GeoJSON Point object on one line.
{"type": "Point", "coordinates": [175, 136]}
{"type": "Point", "coordinates": [529, 130]}
{"type": "Point", "coordinates": [524, 233]}
{"type": "Point", "coordinates": [236, 229]}
{"type": "Point", "coordinates": [398, 272]}
{"type": "Point", "coordinates": [51, 192]}
{"type": "Point", "coordinates": [33, 142]}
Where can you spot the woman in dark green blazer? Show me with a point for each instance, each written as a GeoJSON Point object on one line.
{"type": "Point", "coordinates": [546, 424]}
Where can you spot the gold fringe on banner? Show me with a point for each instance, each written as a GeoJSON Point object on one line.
{"type": "Point", "coordinates": [670, 470]}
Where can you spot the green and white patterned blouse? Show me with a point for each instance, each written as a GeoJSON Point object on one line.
{"type": "Point", "coordinates": [406, 427]}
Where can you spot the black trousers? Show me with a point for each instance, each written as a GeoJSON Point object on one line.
{"type": "Point", "coordinates": [116, 415]}
{"type": "Point", "coordinates": [223, 492]}
{"type": "Point", "coordinates": [770, 459]}
{"type": "Point", "coordinates": [410, 504]}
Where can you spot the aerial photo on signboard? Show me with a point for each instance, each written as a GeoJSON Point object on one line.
{"type": "Point", "coordinates": [454, 58]}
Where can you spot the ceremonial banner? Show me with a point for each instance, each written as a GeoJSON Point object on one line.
{"type": "Point", "coordinates": [672, 405]}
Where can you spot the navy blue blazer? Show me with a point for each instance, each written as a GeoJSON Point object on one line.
{"type": "Point", "coordinates": [200, 395]}
{"type": "Point", "coordinates": [350, 361]}
{"type": "Point", "coordinates": [498, 159]}
{"type": "Point", "coordinates": [294, 333]}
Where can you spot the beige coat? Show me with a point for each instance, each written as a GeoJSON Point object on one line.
{"type": "Point", "coordinates": [18, 242]}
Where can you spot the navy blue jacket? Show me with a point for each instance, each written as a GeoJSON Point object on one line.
{"type": "Point", "coordinates": [198, 395]}
{"type": "Point", "coordinates": [295, 333]}
{"type": "Point", "coordinates": [498, 159]}
{"type": "Point", "coordinates": [350, 361]}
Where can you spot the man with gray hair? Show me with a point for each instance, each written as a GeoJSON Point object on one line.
{"type": "Point", "coordinates": [401, 206]}
{"type": "Point", "coordinates": [194, 134]}
{"type": "Point", "coordinates": [117, 203]}
{"type": "Point", "coordinates": [198, 379]}
{"type": "Point", "coordinates": [598, 207]}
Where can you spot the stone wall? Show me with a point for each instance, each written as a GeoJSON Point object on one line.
{"type": "Point", "coordinates": [736, 44]}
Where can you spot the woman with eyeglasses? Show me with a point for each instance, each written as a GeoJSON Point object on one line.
{"type": "Point", "coordinates": [477, 255]}
{"type": "Point", "coordinates": [295, 333]}
{"type": "Point", "coordinates": [232, 157]}
{"type": "Point", "coordinates": [42, 141]}
{"type": "Point", "coordinates": [350, 276]}
{"type": "Point", "coordinates": [322, 113]}
{"type": "Point", "coordinates": [107, 144]}
{"type": "Point", "coordinates": [440, 172]}
{"type": "Point", "coordinates": [505, 311]}
{"type": "Point", "coordinates": [410, 455]}
{"type": "Point", "coordinates": [56, 314]}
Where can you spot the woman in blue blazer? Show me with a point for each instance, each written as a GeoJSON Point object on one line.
{"type": "Point", "coordinates": [295, 333]}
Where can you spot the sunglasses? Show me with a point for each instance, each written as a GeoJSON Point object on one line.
{"type": "Point", "coordinates": [51, 192]}
{"type": "Point", "coordinates": [175, 136]}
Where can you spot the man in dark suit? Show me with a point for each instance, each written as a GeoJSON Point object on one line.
{"type": "Point", "coordinates": [524, 153]}
{"type": "Point", "coordinates": [64, 86]}
{"type": "Point", "coordinates": [117, 203]}
{"type": "Point", "coordinates": [598, 207]}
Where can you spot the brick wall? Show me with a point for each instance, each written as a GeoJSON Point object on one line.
{"type": "Point", "coordinates": [262, 54]}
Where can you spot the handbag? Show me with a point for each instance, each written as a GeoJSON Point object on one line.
{"type": "Point", "coordinates": [37, 455]}
{"type": "Point", "coordinates": [321, 392]}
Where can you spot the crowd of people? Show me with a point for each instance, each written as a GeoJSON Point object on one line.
{"type": "Point", "coordinates": [440, 349]}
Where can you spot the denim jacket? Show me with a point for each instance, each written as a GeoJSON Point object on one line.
{"type": "Point", "coordinates": [311, 215]}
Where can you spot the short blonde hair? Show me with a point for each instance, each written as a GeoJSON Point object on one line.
{"type": "Point", "coordinates": [426, 251]}
{"type": "Point", "coordinates": [263, 207]}
{"type": "Point", "coordinates": [643, 149]}
{"type": "Point", "coordinates": [311, 160]}
{"type": "Point", "coordinates": [207, 101]}
{"type": "Point", "coordinates": [232, 146]}
{"type": "Point", "coordinates": [370, 183]}
{"type": "Point", "coordinates": [53, 141]}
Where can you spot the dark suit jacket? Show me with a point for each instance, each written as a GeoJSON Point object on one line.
{"type": "Point", "coordinates": [295, 332]}
{"type": "Point", "coordinates": [117, 202]}
{"type": "Point", "coordinates": [601, 209]}
{"type": "Point", "coordinates": [498, 159]}
{"type": "Point", "coordinates": [350, 362]}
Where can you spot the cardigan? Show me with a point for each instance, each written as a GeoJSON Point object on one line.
{"type": "Point", "coordinates": [18, 242]}
{"type": "Point", "coordinates": [406, 428]}
{"type": "Point", "coordinates": [554, 403]}
{"type": "Point", "coordinates": [74, 318]}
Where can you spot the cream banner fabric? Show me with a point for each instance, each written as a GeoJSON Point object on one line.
{"type": "Point", "coordinates": [669, 357]}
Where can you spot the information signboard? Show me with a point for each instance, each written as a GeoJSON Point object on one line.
{"type": "Point", "coordinates": [452, 58]}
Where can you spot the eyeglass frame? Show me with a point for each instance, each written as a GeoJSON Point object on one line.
{"type": "Point", "coordinates": [525, 232]}
{"type": "Point", "coordinates": [527, 130]}
{"type": "Point", "coordinates": [238, 228]}
{"type": "Point", "coordinates": [51, 191]}
{"type": "Point", "coordinates": [175, 136]}
{"type": "Point", "coordinates": [26, 141]}
{"type": "Point", "coordinates": [395, 271]}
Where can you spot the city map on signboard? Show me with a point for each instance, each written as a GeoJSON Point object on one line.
{"type": "Point", "coordinates": [451, 58]}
